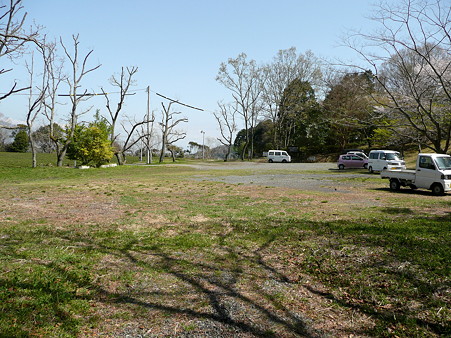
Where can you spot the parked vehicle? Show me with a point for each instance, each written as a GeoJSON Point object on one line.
{"type": "Point", "coordinates": [433, 172]}
{"type": "Point", "coordinates": [385, 159]}
{"type": "Point", "coordinates": [351, 161]}
{"type": "Point", "coordinates": [278, 156]}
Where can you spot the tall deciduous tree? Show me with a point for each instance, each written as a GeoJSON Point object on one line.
{"type": "Point", "coordinates": [79, 70]}
{"type": "Point", "coordinates": [35, 104]}
{"type": "Point", "coordinates": [55, 76]}
{"type": "Point", "coordinates": [245, 81]}
{"type": "Point", "coordinates": [226, 118]}
{"type": "Point", "coordinates": [170, 135]}
{"type": "Point", "coordinates": [413, 68]}
{"type": "Point", "coordinates": [123, 83]}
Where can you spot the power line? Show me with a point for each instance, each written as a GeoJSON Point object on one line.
{"type": "Point", "coordinates": [109, 93]}
{"type": "Point", "coordinates": [176, 101]}
{"type": "Point", "coordinates": [94, 94]}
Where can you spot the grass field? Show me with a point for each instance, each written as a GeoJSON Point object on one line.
{"type": "Point", "coordinates": [156, 251]}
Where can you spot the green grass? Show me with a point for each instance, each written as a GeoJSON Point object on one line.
{"type": "Point", "coordinates": [89, 252]}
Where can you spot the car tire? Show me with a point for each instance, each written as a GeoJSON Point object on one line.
{"type": "Point", "coordinates": [284, 161]}
{"type": "Point", "coordinates": [341, 166]}
{"type": "Point", "coordinates": [437, 189]}
{"type": "Point", "coordinates": [270, 160]}
{"type": "Point", "coordinates": [370, 170]}
{"type": "Point", "coordinates": [395, 185]}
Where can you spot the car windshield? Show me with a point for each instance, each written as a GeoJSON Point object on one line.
{"type": "Point", "coordinates": [393, 156]}
{"type": "Point", "coordinates": [444, 163]}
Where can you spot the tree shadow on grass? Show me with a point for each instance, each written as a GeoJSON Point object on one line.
{"type": "Point", "coordinates": [191, 290]}
{"type": "Point", "coordinates": [214, 287]}
{"type": "Point", "coordinates": [229, 286]}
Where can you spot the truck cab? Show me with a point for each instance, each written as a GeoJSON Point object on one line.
{"type": "Point", "coordinates": [433, 169]}
{"type": "Point", "coordinates": [432, 172]}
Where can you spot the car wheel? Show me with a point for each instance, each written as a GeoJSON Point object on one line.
{"type": "Point", "coordinates": [437, 189]}
{"type": "Point", "coordinates": [370, 170]}
{"type": "Point", "coordinates": [341, 166]}
{"type": "Point", "coordinates": [413, 186]}
{"type": "Point", "coordinates": [270, 160]}
{"type": "Point", "coordinates": [284, 161]}
{"type": "Point", "coordinates": [394, 185]}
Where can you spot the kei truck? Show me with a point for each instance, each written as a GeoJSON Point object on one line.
{"type": "Point", "coordinates": [433, 172]}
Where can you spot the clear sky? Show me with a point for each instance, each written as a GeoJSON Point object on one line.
{"type": "Point", "coordinates": [178, 45]}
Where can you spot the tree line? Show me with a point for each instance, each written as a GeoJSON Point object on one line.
{"type": "Point", "coordinates": [398, 95]}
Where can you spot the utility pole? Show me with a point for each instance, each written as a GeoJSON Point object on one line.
{"type": "Point", "coordinates": [203, 144]}
{"type": "Point", "coordinates": [149, 151]}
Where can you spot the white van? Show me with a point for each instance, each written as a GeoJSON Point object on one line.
{"type": "Point", "coordinates": [379, 160]}
{"type": "Point", "coordinates": [278, 156]}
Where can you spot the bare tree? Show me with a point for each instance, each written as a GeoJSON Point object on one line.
{"type": "Point", "coordinates": [55, 76]}
{"type": "Point", "coordinates": [35, 104]}
{"type": "Point", "coordinates": [169, 134]}
{"type": "Point", "coordinates": [130, 140]}
{"type": "Point", "coordinates": [226, 118]}
{"type": "Point", "coordinates": [79, 71]}
{"type": "Point", "coordinates": [244, 79]}
{"type": "Point", "coordinates": [123, 83]}
{"type": "Point", "coordinates": [412, 66]}
{"type": "Point", "coordinates": [13, 37]}
{"type": "Point", "coordinates": [147, 135]}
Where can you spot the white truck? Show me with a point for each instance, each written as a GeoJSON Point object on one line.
{"type": "Point", "coordinates": [433, 172]}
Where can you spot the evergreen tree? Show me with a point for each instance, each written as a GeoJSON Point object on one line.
{"type": "Point", "coordinates": [20, 143]}
{"type": "Point", "coordinates": [302, 123]}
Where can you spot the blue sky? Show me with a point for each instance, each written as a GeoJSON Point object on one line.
{"type": "Point", "coordinates": [178, 45]}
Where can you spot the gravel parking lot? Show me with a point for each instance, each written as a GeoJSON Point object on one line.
{"type": "Point", "coordinates": [264, 166]}
{"type": "Point", "coordinates": [286, 175]}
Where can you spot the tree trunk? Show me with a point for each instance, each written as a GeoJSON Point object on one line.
{"type": "Point", "coordinates": [60, 158]}
{"type": "Point", "coordinates": [33, 152]}
{"type": "Point", "coordinates": [172, 155]}
{"type": "Point", "coordinates": [229, 150]}
{"type": "Point", "coordinates": [120, 158]}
